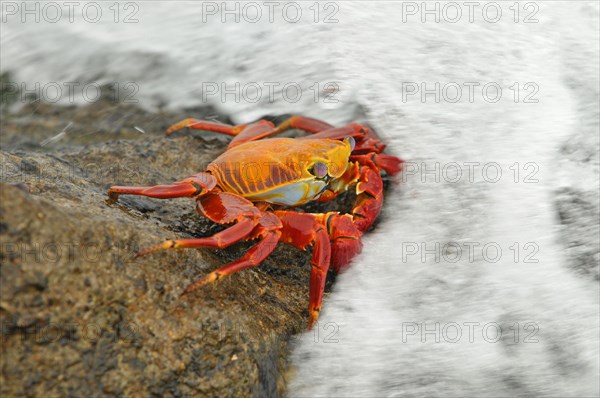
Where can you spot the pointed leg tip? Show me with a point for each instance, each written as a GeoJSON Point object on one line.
{"type": "Point", "coordinates": [179, 126]}
{"type": "Point", "coordinates": [312, 320]}
{"type": "Point", "coordinates": [113, 197]}
{"type": "Point", "coordinates": [191, 288]}
{"type": "Point", "coordinates": [173, 128]}
{"type": "Point", "coordinates": [210, 278]}
{"type": "Point", "coordinates": [144, 252]}
{"type": "Point", "coordinates": [168, 244]}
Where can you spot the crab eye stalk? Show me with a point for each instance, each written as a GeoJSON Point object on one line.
{"type": "Point", "coordinates": [351, 141]}
{"type": "Point", "coordinates": [319, 170]}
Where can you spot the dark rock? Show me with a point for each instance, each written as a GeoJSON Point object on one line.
{"type": "Point", "coordinates": [80, 316]}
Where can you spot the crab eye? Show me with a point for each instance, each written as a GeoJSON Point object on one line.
{"type": "Point", "coordinates": [319, 170]}
{"type": "Point", "coordinates": [351, 141]}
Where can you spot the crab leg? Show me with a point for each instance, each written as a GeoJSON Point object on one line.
{"type": "Point", "coordinates": [241, 133]}
{"type": "Point", "coordinates": [221, 239]}
{"type": "Point", "coordinates": [321, 260]}
{"type": "Point", "coordinates": [205, 125]}
{"type": "Point", "coordinates": [369, 200]}
{"type": "Point", "coordinates": [252, 258]}
{"type": "Point", "coordinates": [367, 140]}
{"type": "Point", "coordinates": [190, 187]}
{"type": "Point", "coordinates": [354, 130]}
{"type": "Point", "coordinates": [251, 223]}
{"type": "Point", "coordinates": [254, 131]}
{"type": "Point", "coordinates": [307, 124]}
{"type": "Point", "coordinates": [302, 230]}
{"type": "Point", "coordinates": [345, 240]}
{"type": "Point", "coordinates": [345, 230]}
{"type": "Point", "coordinates": [263, 128]}
{"type": "Point", "coordinates": [378, 161]}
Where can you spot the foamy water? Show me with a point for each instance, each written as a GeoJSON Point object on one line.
{"type": "Point", "coordinates": [407, 318]}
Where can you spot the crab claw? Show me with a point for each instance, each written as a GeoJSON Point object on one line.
{"type": "Point", "coordinates": [378, 161]}
{"type": "Point", "coordinates": [345, 240]}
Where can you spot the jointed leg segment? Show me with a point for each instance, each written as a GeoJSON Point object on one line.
{"type": "Point", "coordinates": [206, 125]}
{"type": "Point", "coordinates": [222, 239]}
{"type": "Point", "coordinates": [190, 187]}
{"type": "Point", "coordinates": [252, 258]}
{"type": "Point", "coordinates": [254, 131]}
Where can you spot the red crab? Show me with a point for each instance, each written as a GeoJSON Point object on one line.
{"type": "Point", "coordinates": [256, 183]}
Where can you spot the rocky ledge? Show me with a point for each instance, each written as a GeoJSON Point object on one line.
{"type": "Point", "coordinates": [79, 315]}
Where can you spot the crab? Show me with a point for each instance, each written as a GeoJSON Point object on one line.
{"type": "Point", "coordinates": [255, 186]}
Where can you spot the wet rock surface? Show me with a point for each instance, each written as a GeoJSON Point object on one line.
{"type": "Point", "coordinates": [79, 315]}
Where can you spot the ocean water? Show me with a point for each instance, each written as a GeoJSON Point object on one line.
{"type": "Point", "coordinates": [473, 283]}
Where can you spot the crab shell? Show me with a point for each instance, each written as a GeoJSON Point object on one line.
{"type": "Point", "coordinates": [282, 171]}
